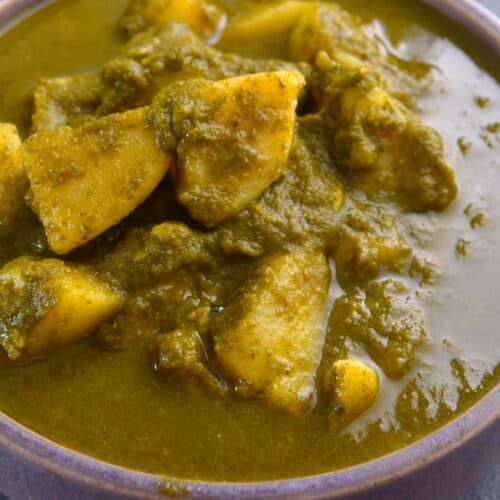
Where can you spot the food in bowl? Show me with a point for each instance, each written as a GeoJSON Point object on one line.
{"type": "Point", "coordinates": [244, 240]}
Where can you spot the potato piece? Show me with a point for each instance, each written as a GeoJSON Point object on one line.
{"type": "Point", "coordinates": [202, 16]}
{"type": "Point", "coordinates": [268, 341]}
{"type": "Point", "coordinates": [388, 152]}
{"type": "Point", "coordinates": [312, 27]}
{"type": "Point", "coordinates": [232, 138]}
{"type": "Point", "coordinates": [45, 304]}
{"type": "Point", "coordinates": [147, 256]}
{"type": "Point", "coordinates": [70, 100]}
{"type": "Point", "coordinates": [385, 317]}
{"type": "Point", "coordinates": [331, 29]}
{"type": "Point", "coordinates": [86, 180]}
{"type": "Point", "coordinates": [180, 354]}
{"type": "Point", "coordinates": [352, 387]}
{"type": "Point", "coordinates": [13, 181]}
{"type": "Point", "coordinates": [267, 21]}
{"type": "Point", "coordinates": [328, 27]}
{"type": "Point", "coordinates": [368, 242]}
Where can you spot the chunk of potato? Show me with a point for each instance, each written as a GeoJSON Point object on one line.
{"type": "Point", "coordinates": [202, 16]}
{"type": "Point", "coordinates": [85, 180]}
{"type": "Point", "coordinates": [13, 181]}
{"type": "Point", "coordinates": [331, 29]}
{"type": "Point", "coordinates": [311, 27]}
{"type": "Point", "coordinates": [388, 152]}
{"type": "Point", "coordinates": [70, 100]}
{"type": "Point", "coordinates": [45, 304]}
{"type": "Point", "coordinates": [385, 318]}
{"type": "Point", "coordinates": [147, 256]}
{"type": "Point", "coordinates": [268, 341]}
{"type": "Point", "coordinates": [328, 27]}
{"type": "Point", "coordinates": [368, 242]}
{"type": "Point", "coordinates": [352, 387]}
{"type": "Point", "coordinates": [272, 20]}
{"type": "Point", "coordinates": [180, 354]}
{"type": "Point", "coordinates": [232, 138]}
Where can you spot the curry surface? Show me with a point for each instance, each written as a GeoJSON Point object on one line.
{"type": "Point", "coordinates": [110, 405]}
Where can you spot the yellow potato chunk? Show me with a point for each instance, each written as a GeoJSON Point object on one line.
{"type": "Point", "coordinates": [203, 17]}
{"type": "Point", "coordinates": [352, 387]}
{"type": "Point", "coordinates": [272, 20]}
{"type": "Point", "coordinates": [326, 26]}
{"type": "Point", "coordinates": [86, 180]}
{"type": "Point", "coordinates": [232, 139]}
{"type": "Point", "coordinates": [13, 182]}
{"type": "Point", "coordinates": [329, 34]}
{"type": "Point", "coordinates": [269, 340]}
{"type": "Point", "coordinates": [369, 242]}
{"type": "Point", "coordinates": [45, 304]}
{"type": "Point", "coordinates": [70, 100]}
{"type": "Point", "coordinates": [388, 152]}
{"type": "Point", "coordinates": [180, 355]}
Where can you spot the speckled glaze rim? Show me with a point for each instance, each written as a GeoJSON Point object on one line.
{"type": "Point", "coordinates": [355, 480]}
{"type": "Point", "coordinates": [482, 23]}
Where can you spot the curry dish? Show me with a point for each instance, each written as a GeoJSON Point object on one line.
{"type": "Point", "coordinates": [245, 240]}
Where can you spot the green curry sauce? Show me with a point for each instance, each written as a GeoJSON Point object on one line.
{"type": "Point", "coordinates": [101, 396]}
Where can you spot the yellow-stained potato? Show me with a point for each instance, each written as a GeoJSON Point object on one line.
{"type": "Point", "coordinates": [388, 152]}
{"type": "Point", "coordinates": [86, 180]}
{"type": "Point", "coordinates": [327, 27]}
{"type": "Point", "coordinates": [369, 242]}
{"type": "Point", "coordinates": [202, 16]}
{"type": "Point", "coordinates": [269, 340]}
{"type": "Point", "coordinates": [329, 30]}
{"type": "Point", "coordinates": [13, 182]}
{"type": "Point", "coordinates": [69, 100]}
{"type": "Point", "coordinates": [45, 304]}
{"type": "Point", "coordinates": [352, 387]}
{"type": "Point", "coordinates": [233, 139]}
{"type": "Point", "coordinates": [272, 20]}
